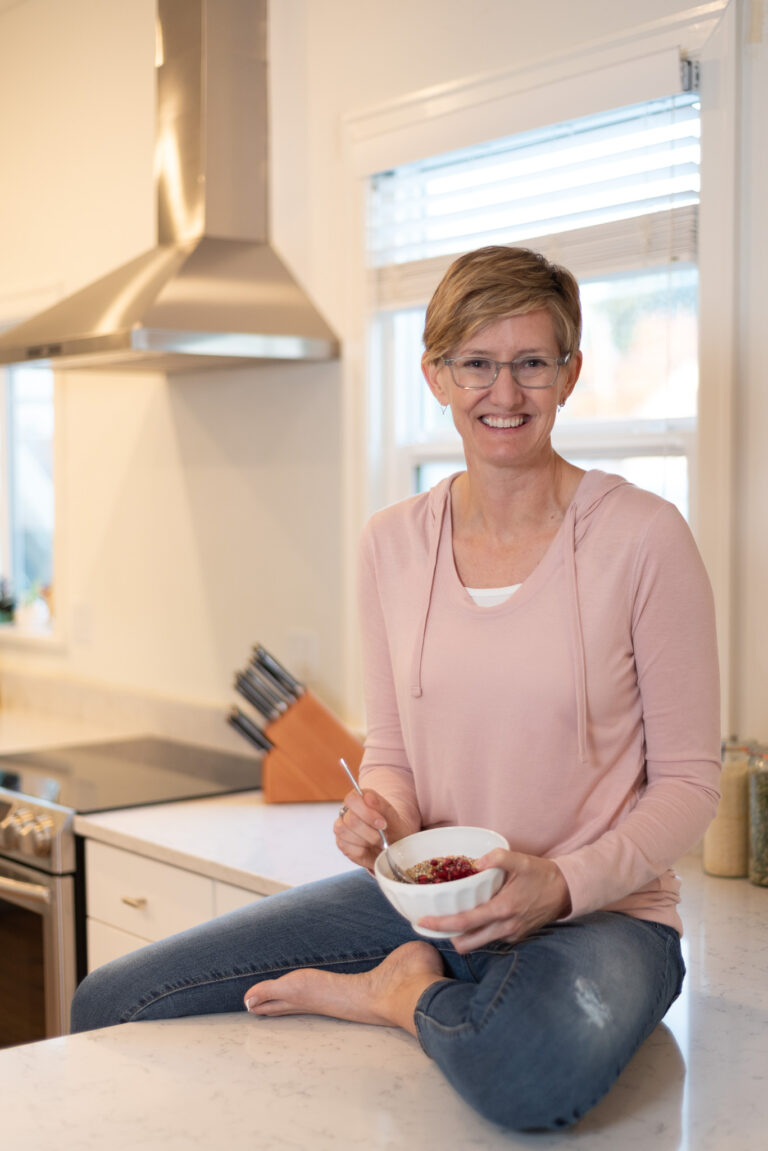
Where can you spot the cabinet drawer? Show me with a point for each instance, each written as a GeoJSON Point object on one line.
{"type": "Point", "coordinates": [227, 897]}
{"type": "Point", "coordinates": [142, 896]}
{"type": "Point", "coordinates": [106, 943]}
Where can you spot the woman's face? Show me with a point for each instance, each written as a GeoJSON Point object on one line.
{"type": "Point", "coordinates": [506, 425]}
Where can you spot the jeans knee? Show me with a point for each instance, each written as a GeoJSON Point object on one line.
{"type": "Point", "coordinates": [521, 1092]}
{"type": "Point", "coordinates": [92, 1004]}
{"type": "Point", "coordinates": [517, 1107]}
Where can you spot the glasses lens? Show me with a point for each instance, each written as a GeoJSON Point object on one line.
{"type": "Point", "coordinates": [474, 373]}
{"type": "Point", "coordinates": [535, 371]}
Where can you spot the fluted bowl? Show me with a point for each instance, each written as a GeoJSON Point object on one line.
{"type": "Point", "coordinates": [415, 901]}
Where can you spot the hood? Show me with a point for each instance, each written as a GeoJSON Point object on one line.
{"type": "Point", "coordinates": [594, 487]}
{"type": "Point", "coordinates": [212, 292]}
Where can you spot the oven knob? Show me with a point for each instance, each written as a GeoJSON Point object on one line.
{"type": "Point", "coordinates": [35, 836]}
{"type": "Point", "coordinates": [15, 827]}
{"type": "Point", "coordinates": [6, 831]}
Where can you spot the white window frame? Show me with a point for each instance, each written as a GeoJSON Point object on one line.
{"type": "Point", "coordinates": [49, 637]}
{"type": "Point", "coordinates": [630, 246]}
{"type": "Point", "coordinates": [637, 65]}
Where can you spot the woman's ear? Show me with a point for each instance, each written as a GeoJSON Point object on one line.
{"type": "Point", "coordinates": [574, 371]}
{"type": "Point", "coordinates": [433, 374]}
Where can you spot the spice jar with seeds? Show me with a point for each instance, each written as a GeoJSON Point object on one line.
{"type": "Point", "coordinates": [758, 818]}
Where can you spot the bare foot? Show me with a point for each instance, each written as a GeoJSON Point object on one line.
{"type": "Point", "coordinates": [387, 995]}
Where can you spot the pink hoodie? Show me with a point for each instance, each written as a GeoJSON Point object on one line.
{"type": "Point", "coordinates": [580, 718]}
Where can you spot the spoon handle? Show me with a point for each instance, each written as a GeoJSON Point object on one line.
{"type": "Point", "coordinates": [395, 868]}
{"type": "Point", "coordinates": [359, 791]}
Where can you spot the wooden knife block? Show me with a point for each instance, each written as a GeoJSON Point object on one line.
{"type": "Point", "coordinates": [303, 766]}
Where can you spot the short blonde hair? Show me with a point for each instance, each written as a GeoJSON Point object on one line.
{"type": "Point", "coordinates": [492, 283]}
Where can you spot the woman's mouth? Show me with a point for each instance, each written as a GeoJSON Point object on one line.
{"type": "Point", "coordinates": [503, 421]}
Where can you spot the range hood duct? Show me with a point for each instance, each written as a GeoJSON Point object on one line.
{"type": "Point", "coordinates": [212, 292]}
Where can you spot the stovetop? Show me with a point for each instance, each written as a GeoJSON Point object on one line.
{"type": "Point", "coordinates": [129, 772]}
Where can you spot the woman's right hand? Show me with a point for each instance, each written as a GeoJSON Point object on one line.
{"type": "Point", "coordinates": [357, 830]}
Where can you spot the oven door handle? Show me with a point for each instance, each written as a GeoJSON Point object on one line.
{"type": "Point", "coordinates": [34, 892]}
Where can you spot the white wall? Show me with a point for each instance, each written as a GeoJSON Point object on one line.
{"type": "Point", "coordinates": [165, 502]}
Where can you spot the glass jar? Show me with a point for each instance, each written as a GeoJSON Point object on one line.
{"type": "Point", "coordinates": [726, 840]}
{"type": "Point", "coordinates": [758, 818]}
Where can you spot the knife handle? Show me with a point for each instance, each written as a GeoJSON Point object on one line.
{"type": "Point", "coordinates": [255, 697]}
{"type": "Point", "coordinates": [276, 669]}
{"type": "Point", "coordinates": [277, 696]}
{"type": "Point", "coordinates": [249, 730]}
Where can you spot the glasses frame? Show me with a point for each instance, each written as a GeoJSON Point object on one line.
{"type": "Point", "coordinates": [557, 361]}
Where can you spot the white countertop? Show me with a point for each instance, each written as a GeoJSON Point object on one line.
{"type": "Point", "coordinates": [235, 838]}
{"type": "Point", "coordinates": [238, 1082]}
{"type": "Point", "coordinates": [248, 1084]}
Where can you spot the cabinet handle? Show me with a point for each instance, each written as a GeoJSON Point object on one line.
{"type": "Point", "coordinates": [139, 902]}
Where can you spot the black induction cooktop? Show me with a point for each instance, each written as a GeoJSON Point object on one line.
{"type": "Point", "coordinates": [89, 777]}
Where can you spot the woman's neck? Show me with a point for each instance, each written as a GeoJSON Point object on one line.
{"type": "Point", "coordinates": [501, 503]}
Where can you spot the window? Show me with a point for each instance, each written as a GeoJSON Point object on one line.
{"type": "Point", "coordinates": [26, 494]}
{"type": "Point", "coordinates": [613, 197]}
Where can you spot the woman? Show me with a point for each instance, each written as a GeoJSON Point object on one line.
{"type": "Point", "coordinates": [539, 656]}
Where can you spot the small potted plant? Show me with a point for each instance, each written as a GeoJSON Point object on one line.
{"type": "Point", "coordinates": [7, 601]}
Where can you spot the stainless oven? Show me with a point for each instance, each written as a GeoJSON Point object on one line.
{"type": "Point", "coordinates": [38, 956]}
{"type": "Point", "coordinates": [42, 881]}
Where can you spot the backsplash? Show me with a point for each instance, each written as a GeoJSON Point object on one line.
{"type": "Point", "coordinates": [124, 709]}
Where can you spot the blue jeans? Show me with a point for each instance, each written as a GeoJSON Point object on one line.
{"type": "Point", "coordinates": [531, 1034]}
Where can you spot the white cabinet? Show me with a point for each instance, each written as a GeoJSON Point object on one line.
{"type": "Point", "coordinates": [106, 943]}
{"type": "Point", "coordinates": [132, 900]}
{"type": "Point", "coordinates": [226, 897]}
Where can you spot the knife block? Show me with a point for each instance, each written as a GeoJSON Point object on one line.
{"type": "Point", "coordinates": [303, 766]}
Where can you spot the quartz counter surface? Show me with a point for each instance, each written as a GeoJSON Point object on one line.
{"type": "Point", "coordinates": [235, 1081]}
{"type": "Point", "coordinates": [239, 838]}
{"type": "Point", "coordinates": [238, 1082]}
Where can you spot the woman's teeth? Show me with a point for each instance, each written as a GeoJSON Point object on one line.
{"type": "Point", "coordinates": [502, 421]}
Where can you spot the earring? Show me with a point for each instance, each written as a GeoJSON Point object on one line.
{"type": "Point", "coordinates": [444, 408]}
{"type": "Point", "coordinates": [561, 404]}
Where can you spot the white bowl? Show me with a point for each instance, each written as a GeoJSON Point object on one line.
{"type": "Point", "coordinates": [415, 901]}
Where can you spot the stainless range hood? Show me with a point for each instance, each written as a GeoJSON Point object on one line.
{"type": "Point", "coordinates": [212, 292]}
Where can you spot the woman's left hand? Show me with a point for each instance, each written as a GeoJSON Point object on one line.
{"type": "Point", "coordinates": [534, 892]}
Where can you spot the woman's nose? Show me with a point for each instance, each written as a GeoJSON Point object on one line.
{"type": "Point", "coordinates": [505, 387]}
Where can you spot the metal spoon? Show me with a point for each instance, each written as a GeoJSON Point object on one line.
{"type": "Point", "coordinates": [395, 868]}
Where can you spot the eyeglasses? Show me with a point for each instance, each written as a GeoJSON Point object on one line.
{"type": "Point", "coordinates": [528, 372]}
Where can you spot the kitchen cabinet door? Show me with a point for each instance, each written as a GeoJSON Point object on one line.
{"type": "Point", "coordinates": [141, 896]}
{"type": "Point", "coordinates": [227, 897]}
{"type": "Point", "coordinates": [106, 943]}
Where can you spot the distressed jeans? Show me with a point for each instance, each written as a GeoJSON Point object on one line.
{"type": "Point", "coordinates": [530, 1034]}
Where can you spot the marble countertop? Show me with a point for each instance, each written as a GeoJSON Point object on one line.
{"type": "Point", "coordinates": [235, 1081]}
{"type": "Point", "coordinates": [239, 839]}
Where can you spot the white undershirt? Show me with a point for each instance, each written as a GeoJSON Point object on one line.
{"type": "Point", "coordinates": [490, 596]}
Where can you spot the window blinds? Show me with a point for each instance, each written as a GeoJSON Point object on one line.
{"type": "Point", "coordinates": [610, 191]}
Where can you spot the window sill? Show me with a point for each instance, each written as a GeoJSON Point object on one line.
{"type": "Point", "coordinates": [45, 637]}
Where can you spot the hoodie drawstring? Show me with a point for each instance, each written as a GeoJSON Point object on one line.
{"type": "Point", "coordinates": [577, 635]}
{"type": "Point", "coordinates": [578, 654]}
{"type": "Point", "coordinates": [438, 515]}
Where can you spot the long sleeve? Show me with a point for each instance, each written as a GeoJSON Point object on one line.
{"type": "Point", "coordinates": [385, 766]}
{"type": "Point", "coordinates": [675, 652]}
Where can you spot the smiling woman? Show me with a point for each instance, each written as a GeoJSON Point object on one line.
{"type": "Point", "coordinates": [538, 716]}
{"type": "Point", "coordinates": [613, 196]}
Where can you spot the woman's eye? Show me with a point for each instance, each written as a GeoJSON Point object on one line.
{"type": "Point", "coordinates": [477, 365]}
{"type": "Point", "coordinates": [531, 363]}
